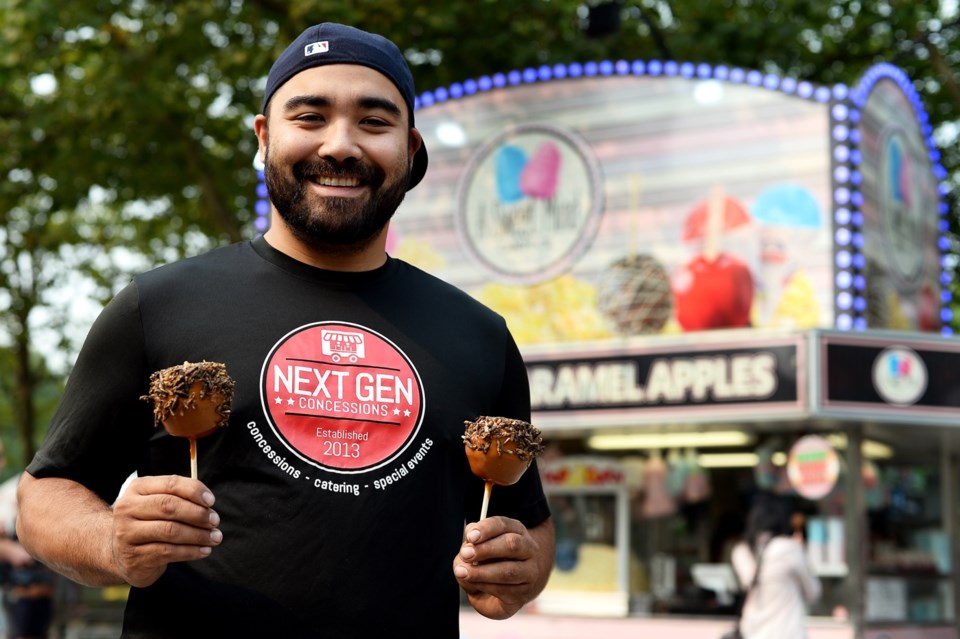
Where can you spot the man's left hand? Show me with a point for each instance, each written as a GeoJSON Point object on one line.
{"type": "Point", "coordinates": [502, 565]}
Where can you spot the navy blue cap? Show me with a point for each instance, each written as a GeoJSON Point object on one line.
{"type": "Point", "coordinates": [331, 43]}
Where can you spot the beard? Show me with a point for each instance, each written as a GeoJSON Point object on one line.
{"type": "Point", "coordinates": [338, 225]}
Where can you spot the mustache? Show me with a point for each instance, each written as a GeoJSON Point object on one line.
{"type": "Point", "coordinates": [366, 173]}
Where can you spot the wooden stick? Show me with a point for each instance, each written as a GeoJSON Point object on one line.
{"type": "Point", "coordinates": [193, 458]}
{"type": "Point", "coordinates": [633, 211]}
{"type": "Point", "coordinates": [716, 211]}
{"type": "Point", "coordinates": [487, 487]}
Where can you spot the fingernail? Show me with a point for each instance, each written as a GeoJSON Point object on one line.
{"type": "Point", "coordinates": [207, 498]}
{"type": "Point", "coordinates": [205, 550]}
{"type": "Point", "coordinates": [460, 572]}
{"type": "Point", "coordinates": [214, 518]}
{"type": "Point", "coordinates": [467, 552]}
{"type": "Point", "coordinates": [473, 536]}
{"type": "Point", "coordinates": [216, 536]}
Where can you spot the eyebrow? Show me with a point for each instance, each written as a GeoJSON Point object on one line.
{"type": "Point", "coordinates": [369, 102]}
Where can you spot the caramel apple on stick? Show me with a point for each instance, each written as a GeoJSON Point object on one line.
{"type": "Point", "coordinates": [500, 450]}
{"type": "Point", "coordinates": [191, 400]}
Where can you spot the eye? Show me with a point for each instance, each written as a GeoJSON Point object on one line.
{"type": "Point", "coordinates": [375, 121]}
{"type": "Point", "coordinates": [309, 117]}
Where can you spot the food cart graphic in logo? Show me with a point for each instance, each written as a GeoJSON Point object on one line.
{"type": "Point", "coordinates": [342, 345]}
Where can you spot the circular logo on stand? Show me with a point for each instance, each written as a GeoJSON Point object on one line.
{"type": "Point", "coordinates": [341, 397]}
{"type": "Point", "coordinates": [905, 203]}
{"type": "Point", "coordinates": [529, 202]}
{"type": "Point", "coordinates": [899, 375]}
{"type": "Point", "coordinates": [813, 467]}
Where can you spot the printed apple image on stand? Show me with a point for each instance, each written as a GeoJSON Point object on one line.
{"type": "Point", "coordinates": [500, 450]}
{"type": "Point", "coordinates": [928, 310]}
{"type": "Point", "coordinates": [715, 289]}
{"type": "Point", "coordinates": [191, 400]}
{"type": "Point", "coordinates": [634, 292]}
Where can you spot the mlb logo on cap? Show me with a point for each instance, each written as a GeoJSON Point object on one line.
{"type": "Point", "coordinates": [316, 47]}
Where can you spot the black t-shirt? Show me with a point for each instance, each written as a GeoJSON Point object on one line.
{"type": "Point", "coordinates": [341, 480]}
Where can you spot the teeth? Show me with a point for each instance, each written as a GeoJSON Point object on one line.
{"type": "Point", "coordinates": [334, 181]}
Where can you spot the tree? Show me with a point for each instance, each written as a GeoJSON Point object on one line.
{"type": "Point", "coordinates": [46, 392]}
{"type": "Point", "coordinates": [128, 124]}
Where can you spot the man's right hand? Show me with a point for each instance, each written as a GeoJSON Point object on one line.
{"type": "Point", "coordinates": [160, 520]}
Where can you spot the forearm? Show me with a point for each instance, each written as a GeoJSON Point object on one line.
{"type": "Point", "coordinates": [68, 528]}
{"type": "Point", "coordinates": [544, 535]}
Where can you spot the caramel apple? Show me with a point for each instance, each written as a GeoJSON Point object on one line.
{"type": "Point", "coordinates": [191, 400]}
{"type": "Point", "coordinates": [500, 450]}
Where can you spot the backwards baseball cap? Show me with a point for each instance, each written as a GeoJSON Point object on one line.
{"type": "Point", "coordinates": [331, 43]}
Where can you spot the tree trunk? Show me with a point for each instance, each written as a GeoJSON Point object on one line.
{"type": "Point", "coordinates": [24, 389]}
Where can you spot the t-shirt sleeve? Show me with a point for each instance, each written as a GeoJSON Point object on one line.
{"type": "Point", "coordinates": [100, 428]}
{"type": "Point", "coordinates": [525, 500]}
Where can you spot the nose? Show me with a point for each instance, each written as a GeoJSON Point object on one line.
{"type": "Point", "coordinates": [340, 141]}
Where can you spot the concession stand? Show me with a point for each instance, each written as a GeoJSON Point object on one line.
{"type": "Point", "coordinates": [723, 282]}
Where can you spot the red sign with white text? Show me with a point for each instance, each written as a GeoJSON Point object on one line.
{"type": "Point", "coordinates": [341, 396]}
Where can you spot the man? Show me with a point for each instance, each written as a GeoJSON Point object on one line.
{"type": "Point", "coordinates": [334, 503]}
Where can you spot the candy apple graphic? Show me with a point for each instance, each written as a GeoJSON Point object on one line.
{"type": "Point", "coordinates": [713, 293]}
{"type": "Point", "coordinates": [928, 313]}
{"type": "Point", "coordinates": [714, 289]}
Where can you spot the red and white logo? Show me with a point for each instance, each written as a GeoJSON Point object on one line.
{"type": "Point", "coordinates": [341, 397]}
{"type": "Point", "coordinates": [899, 375]}
{"type": "Point", "coordinates": [316, 47]}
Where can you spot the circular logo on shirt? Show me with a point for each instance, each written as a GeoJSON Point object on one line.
{"type": "Point", "coordinates": [341, 397]}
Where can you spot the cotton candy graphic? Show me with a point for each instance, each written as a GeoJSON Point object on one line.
{"type": "Point", "coordinates": [540, 175]}
{"type": "Point", "coordinates": [510, 162]}
{"type": "Point", "coordinates": [789, 220]}
{"type": "Point", "coordinates": [900, 174]}
{"type": "Point", "coordinates": [787, 205]}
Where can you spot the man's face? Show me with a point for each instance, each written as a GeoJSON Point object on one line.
{"type": "Point", "coordinates": [338, 152]}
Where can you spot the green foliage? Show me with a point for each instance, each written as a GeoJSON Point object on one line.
{"type": "Point", "coordinates": [47, 393]}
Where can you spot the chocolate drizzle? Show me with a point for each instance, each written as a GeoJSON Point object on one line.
{"type": "Point", "coordinates": [481, 433]}
{"type": "Point", "coordinates": [170, 389]}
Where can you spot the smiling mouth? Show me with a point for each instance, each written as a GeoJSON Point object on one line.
{"type": "Point", "coordinates": [336, 181]}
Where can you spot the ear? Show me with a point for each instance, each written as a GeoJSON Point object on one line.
{"type": "Point", "coordinates": [263, 135]}
{"type": "Point", "coordinates": [415, 142]}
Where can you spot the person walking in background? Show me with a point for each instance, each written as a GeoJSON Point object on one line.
{"type": "Point", "coordinates": [776, 603]}
{"type": "Point", "coordinates": [27, 585]}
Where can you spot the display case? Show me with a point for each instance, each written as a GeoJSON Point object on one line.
{"type": "Point", "coordinates": [910, 565]}
{"type": "Point", "coordinates": [588, 500]}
